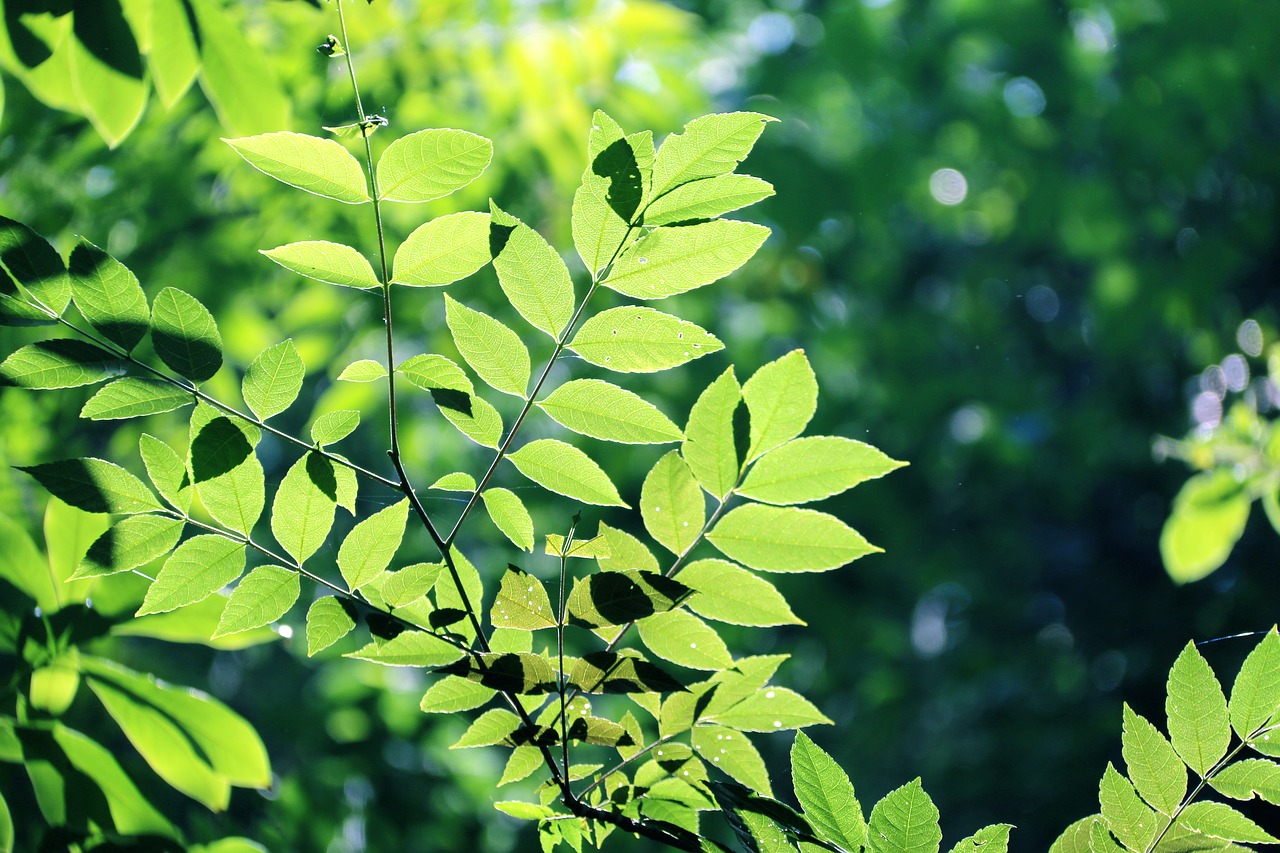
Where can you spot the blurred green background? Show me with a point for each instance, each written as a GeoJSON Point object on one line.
{"type": "Point", "coordinates": [1010, 236]}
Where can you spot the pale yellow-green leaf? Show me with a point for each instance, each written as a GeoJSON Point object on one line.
{"type": "Point", "coordinates": [196, 570]}
{"type": "Point", "coordinates": [636, 339]}
{"type": "Point", "coordinates": [332, 263]}
{"type": "Point", "coordinates": [329, 619]}
{"type": "Point", "coordinates": [613, 187]}
{"type": "Point", "coordinates": [602, 410]}
{"type": "Point", "coordinates": [433, 371]}
{"type": "Point", "coordinates": [494, 351]}
{"type": "Point", "coordinates": [274, 379]}
{"type": "Point", "coordinates": [372, 543]}
{"type": "Point", "coordinates": [319, 166]}
{"type": "Point", "coordinates": [1154, 766]}
{"type": "Point", "coordinates": [729, 593]}
{"type": "Point", "coordinates": [786, 539]}
{"type": "Point", "coordinates": [1197, 710]}
{"type": "Point", "coordinates": [459, 481]}
{"type": "Point", "coordinates": [672, 505]}
{"type": "Point", "coordinates": [566, 470]}
{"type": "Point", "coordinates": [532, 275]}
{"type": "Point", "coordinates": [509, 515]}
{"type": "Point", "coordinates": [812, 468]}
{"type": "Point", "coordinates": [443, 250]}
{"type": "Point", "coordinates": [707, 198]}
{"type": "Point", "coordinates": [332, 427]}
{"type": "Point", "coordinates": [781, 397]}
{"type": "Point", "coordinates": [304, 506]}
{"type": "Point", "coordinates": [431, 163]}
{"type": "Point", "coordinates": [454, 693]}
{"type": "Point", "coordinates": [412, 648]}
{"type": "Point", "coordinates": [261, 597]}
{"type": "Point", "coordinates": [135, 396]}
{"type": "Point", "coordinates": [675, 259]}
{"type": "Point", "coordinates": [1255, 695]}
{"type": "Point", "coordinates": [709, 447]}
{"type": "Point", "coordinates": [626, 552]}
{"type": "Point", "coordinates": [364, 370]}
{"type": "Point", "coordinates": [1207, 520]}
{"type": "Point", "coordinates": [482, 424]}
{"type": "Point", "coordinates": [680, 637]}
{"type": "Point", "coordinates": [708, 146]}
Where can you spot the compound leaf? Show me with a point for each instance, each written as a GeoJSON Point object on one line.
{"type": "Point", "coordinates": [196, 570]}
{"type": "Point", "coordinates": [494, 351]}
{"type": "Point", "coordinates": [771, 709]}
{"type": "Point", "coordinates": [1243, 780]}
{"type": "Point", "coordinates": [167, 470]}
{"type": "Point", "coordinates": [566, 470]}
{"type": "Point", "coordinates": [332, 263]}
{"type": "Point", "coordinates": [1219, 820]}
{"type": "Point", "coordinates": [492, 727]}
{"type": "Point", "coordinates": [522, 673]}
{"type": "Point", "coordinates": [621, 672]}
{"type": "Point", "coordinates": [602, 410]}
{"type": "Point", "coordinates": [613, 186]}
{"type": "Point", "coordinates": [1124, 812]}
{"type": "Point", "coordinates": [1154, 766]}
{"type": "Point", "coordinates": [736, 756]}
{"type": "Point", "coordinates": [626, 552]}
{"type": "Point", "coordinates": [432, 372]}
{"type": "Point", "coordinates": [474, 417]}
{"type": "Point", "coordinates": [274, 379]}
{"type": "Point", "coordinates": [787, 539]}
{"type": "Point", "coordinates": [412, 648]}
{"type": "Point", "coordinates": [262, 597]}
{"type": "Point", "coordinates": [672, 260]}
{"type": "Point", "coordinates": [636, 339]}
{"type": "Point", "coordinates": [454, 693]}
{"type": "Point", "coordinates": [319, 166]}
{"type": "Point", "coordinates": [227, 474]}
{"type": "Point", "coordinates": [1255, 695]}
{"type": "Point", "coordinates": [616, 598]}
{"type": "Point", "coordinates": [431, 163]}
{"type": "Point", "coordinates": [812, 468]}
{"type": "Point", "coordinates": [372, 543]}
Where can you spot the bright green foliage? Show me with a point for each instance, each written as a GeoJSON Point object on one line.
{"type": "Point", "coordinates": [185, 335]}
{"type": "Point", "coordinates": [443, 250]}
{"type": "Point", "coordinates": [826, 795]}
{"type": "Point", "coordinates": [304, 507]}
{"type": "Point", "coordinates": [371, 544]}
{"type": "Point", "coordinates": [1255, 695]}
{"type": "Point", "coordinates": [1249, 778]}
{"type": "Point", "coordinates": [133, 397]}
{"type": "Point", "coordinates": [771, 709]}
{"type": "Point", "coordinates": [167, 470]}
{"type": "Point", "coordinates": [329, 619]}
{"type": "Point", "coordinates": [709, 146]}
{"type": "Point", "coordinates": [672, 504]}
{"type": "Point", "coordinates": [319, 166]}
{"type": "Point", "coordinates": [602, 410]}
{"type": "Point", "coordinates": [1197, 712]}
{"type": "Point", "coordinates": [667, 261]}
{"type": "Point", "coordinates": [265, 594]}
{"type": "Point", "coordinates": [228, 477]}
{"type": "Point", "coordinates": [521, 603]}
{"type": "Point", "coordinates": [785, 539]}
{"type": "Point", "coordinates": [635, 339]}
{"type": "Point", "coordinates": [412, 648]}
{"type": "Point", "coordinates": [593, 549]}
{"type": "Point", "coordinates": [108, 295]}
{"type": "Point", "coordinates": [707, 199]}
{"type": "Point", "coordinates": [197, 569]}
{"type": "Point", "coordinates": [406, 585]}
{"type": "Point", "coordinates": [332, 263]}
{"type": "Point", "coordinates": [781, 397]}
{"type": "Point", "coordinates": [454, 693]}
{"type": "Point", "coordinates": [59, 363]}
{"type": "Point", "coordinates": [274, 379]}
{"type": "Point", "coordinates": [1208, 519]}
{"type": "Point", "coordinates": [614, 183]}
{"type": "Point", "coordinates": [812, 468]}
{"type": "Point", "coordinates": [131, 542]}
{"type": "Point", "coordinates": [566, 470]}
{"type": "Point", "coordinates": [532, 275]}
{"type": "Point", "coordinates": [94, 485]}
{"type": "Point", "coordinates": [494, 352]}
{"type": "Point", "coordinates": [332, 427]}
{"type": "Point", "coordinates": [365, 370]}
{"type": "Point", "coordinates": [989, 839]}
{"type": "Point", "coordinates": [905, 821]}
{"type": "Point", "coordinates": [431, 163]}
{"type": "Point", "coordinates": [682, 638]}
{"type": "Point", "coordinates": [35, 265]}
{"type": "Point", "coordinates": [458, 481]}
{"type": "Point", "coordinates": [709, 447]}
{"type": "Point", "coordinates": [729, 593]}
{"type": "Point", "coordinates": [508, 513]}
{"type": "Point", "coordinates": [1153, 764]}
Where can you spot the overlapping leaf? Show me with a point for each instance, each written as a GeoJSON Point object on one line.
{"type": "Point", "coordinates": [710, 145]}
{"type": "Point", "coordinates": [108, 295]}
{"type": "Point", "coordinates": [672, 260]}
{"type": "Point", "coordinates": [185, 335]}
{"type": "Point", "coordinates": [94, 485]}
{"type": "Point", "coordinates": [304, 507]}
{"type": "Point", "coordinates": [59, 363]}
{"type": "Point", "coordinates": [196, 570]}
{"type": "Point", "coordinates": [494, 352]}
{"type": "Point", "coordinates": [532, 275]}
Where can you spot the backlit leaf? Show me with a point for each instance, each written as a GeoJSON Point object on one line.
{"type": "Point", "coordinates": [1255, 695]}
{"type": "Point", "coordinates": [261, 597]}
{"type": "Point", "coordinates": [672, 260]}
{"type": "Point", "coordinates": [196, 570]}
{"type": "Point", "coordinates": [458, 481]}
{"type": "Point", "coordinates": [1207, 520]}
{"type": "Point", "coordinates": [905, 821]}
{"type": "Point", "coordinates": [227, 474]}
{"type": "Point", "coordinates": [616, 598]}
{"type": "Point", "coordinates": [583, 548]}
{"type": "Point", "coordinates": [605, 411]}
{"type": "Point", "coordinates": [304, 507]}
{"type": "Point", "coordinates": [1198, 722]}
{"type": "Point", "coordinates": [185, 335]}
{"type": "Point", "coordinates": [771, 709]}
{"type": "Point", "coordinates": [59, 363]}
{"type": "Point", "coordinates": [36, 265]}
{"type": "Point", "coordinates": [825, 793]}
{"type": "Point", "coordinates": [332, 263]}
{"type": "Point", "coordinates": [319, 166]}
{"type": "Point", "coordinates": [133, 397]}
{"type": "Point", "coordinates": [454, 693]}
{"type": "Point", "coordinates": [167, 470]}
{"type": "Point", "coordinates": [621, 672]}
{"type": "Point", "coordinates": [332, 427]}
{"type": "Point", "coordinates": [786, 539]}
{"type": "Point", "coordinates": [1130, 819]}
{"type": "Point", "coordinates": [431, 163]}
{"type": "Point", "coordinates": [1219, 820]}
{"type": "Point", "coordinates": [474, 417]}
{"type": "Point", "coordinates": [329, 619]}
{"type": "Point", "coordinates": [494, 352]}
{"type": "Point", "coordinates": [372, 543]}
{"type": "Point", "coordinates": [729, 593]}
{"type": "Point", "coordinates": [408, 584]}
{"type": "Point", "coordinates": [531, 274]}
{"type": "Point", "coordinates": [521, 603]}
{"type": "Point", "coordinates": [365, 370]}
{"type": "Point", "coordinates": [130, 811]}
{"type": "Point", "coordinates": [173, 58]}
{"type": "Point", "coordinates": [108, 295]}
{"type": "Point", "coordinates": [443, 250]}
{"type": "Point", "coordinates": [736, 756]}
{"type": "Point", "coordinates": [680, 637]}
{"type": "Point", "coordinates": [522, 673]}
{"type": "Point", "coordinates": [509, 515]}
{"type": "Point", "coordinates": [94, 486]}
{"type": "Point", "coordinates": [106, 70]}
{"type": "Point", "coordinates": [566, 470]}
{"type": "Point", "coordinates": [435, 372]}
{"type": "Point", "coordinates": [523, 762]}
{"type": "Point", "coordinates": [274, 379]}
{"type": "Point", "coordinates": [412, 648]}
{"type": "Point", "coordinates": [492, 727]}
{"type": "Point", "coordinates": [710, 145]}
{"type": "Point", "coordinates": [613, 186]}
{"type": "Point", "coordinates": [672, 505]}
{"type": "Point", "coordinates": [1156, 770]}
{"type": "Point", "coordinates": [626, 552]}
{"type": "Point", "coordinates": [709, 447]}
{"type": "Point", "coordinates": [706, 199]}
{"type": "Point", "coordinates": [635, 339]}
{"type": "Point", "coordinates": [782, 396]}
{"type": "Point", "coordinates": [812, 468]}
{"type": "Point", "coordinates": [235, 74]}
{"type": "Point", "coordinates": [1243, 780]}
{"type": "Point", "coordinates": [132, 542]}
{"type": "Point", "coordinates": [989, 839]}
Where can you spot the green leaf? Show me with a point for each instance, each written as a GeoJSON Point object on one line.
{"type": "Point", "coordinates": [433, 372]}
{"type": "Point", "coordinates": [185, 335]}
{"type": "Point", "coordinates": [729, 593]}
{"type": "Point", "coordinates": [989, 839]}
{"type": "Point", "coordinates": [522, 673]}
{"type": "Point", "coordinates": [304, 507]}
{"type": "Point", "coordinates": [473, 416]}
{"type": "Point", "coordinates": [566, 470]}
{"type": "Point", "coordinates": [106, 69]}
{"type": "Point", "coordinates": [809, 469]}
{"type": "Point", "coordinates": [681, 637]}
{"type": "Point", "coordinates": [672, 260]}
{"type": "Point", "coordinates": [24, 566]}
{"type": "Point", "coordinates": [623, 671]}
{"type": "Point", "coordinates": [523, 762]}
{"type": "Point", "coordinates": [442, 251]}
{"type": "Point", "coordinates": [365, 370]}
{"type": "Point", "coordinates": [766, 834]}
{"type": "Point", "coordinates": [458, 481]}
{"type": "Point", "coordinates": [329, 619]}
{"type": "Point", "coordinates": [412, 648]}
{"type": "Point", "coordinates": [635, 339]}
{"type": "Point", "coordinates": [1255, 695]}
{"type": "Point", "coordinates": [582, 548]}
{"type": "Point", "coordinates": [787, 539]}
{"type": "Point", "coordinates": [332, 263]}
{"type": "Point", "coordinates": [133, 397]}
{"type": "Point", "coordinates": [193, 623]}
{"type": "Point", "coordinates": [1219, 820]}
{"type": "Point", "coordinates": [108, 295]}
{"type": "Point", "coordinates": [165, 747]}
{"type": "Point", "coordinates": [771, 709]}
{"type": "Point", "coordinates": [825, 793]}
{"type": "Point", "coordinates": [6, 827]}
{"type": "Point", "coordinates": [234, 73]}
{"type": "Point", "coordinates": [226, 740]}
{"type": "Point", "coordinates": [332, 427]}
{"type": "Point", "coordinates": [602, 410]}
{"type": "Point", "coordinates": [59, 363]}
{"type": "Point", "coordinates": [492, 727]}
{"type": "Point", "coordinates": [1246, 779]}
{"type": "Point", "coordinates": [706, 199]}
{"type": "Point", "coordinates": [905, 821]}
{"type": "Point", "coordinates": [781, 397]}
{"type": "Point", "coordinates": [1075, 838]}
{"type": "Point", "coordinates": [372, 543]}
{"type": "Point", "coordinates": [431, 163]}
{"type": "Point", "coordinates": [196, 570]}
{"type": "Point", "coordinates": [1198, 723]}
{"type": "Point", "coordinates": [524, 811]}
{"type": "Point", "coordinates": [672, 505]}
{"type": "Point", "coordinates": [227, 474]}
{"type": "Point", "coordinates": [709, 146]}
{"type": "Point", "coordinates": [274, 379]}
{"type": "Point", "coordinates": [16, 311]}
{"type": "Point", "coordinates": [173, 59]}
{"type": "Point", "coordinates": [616, 598]}
{"type": "Point", "coordinates": [319, 166]}
{"type": "Point", "coordinates": [406, 585]}
{"type": "Point", "coordinates": [494, 352]}
{"type": "Point", "coordinates": [1207, 520]}
{"type": "Point", "coordinates": [1130, 819]}
{"type": "Point", "coordinates": [613, 186]}
{"type": "Point", "coordinates": [262, 597]}
{"type": "Point", "coordinates": [132, 542]}
{"type": "Point", "coordinates": [35, 264]}
{"type": "Point", "coordinates": [531, 274]}
{"type": "Point", "coordinates": [508, 513]}
{"type": "Point", "coordinates": [522, 602]}
{"type": "Point", "coordinates": [131, 813]}
{"type": "Point", "coordinates": [626, 552]}
{"type": "Point", "coordinates": [709, 447]}
{"type": "Point", "coordinates": [94, 486]}
{"type": "Point", "coordinates": [734, 754]}
{"type": "Point", "coordinates": [454, 693]}
{"type": "Point", "coordinates": [167, 471]}
{"type": "Point", "coordinates": [1156, 770]}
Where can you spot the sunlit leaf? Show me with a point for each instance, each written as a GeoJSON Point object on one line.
{"type": "Point", "coordinates": [1219, 820]}
{"type": "Point", "coordinates": [492, 727]}
{"type": "Point", "coordinates": [36, 265]}
{"type": "Point", "coordinates": [626, 552]}
{"type": "Point", "coordinates": [682, 638]}
{"type": "Point", "coordinates": [1154, 767]}
{"type": "Point", "coordinates": [621, 672]}
{"type": "Point", "coordinates": [235, 74]}
{"type": "Point", "coordinates": [435, 372]}
{"type": "Point", "coordinates": [94, 486]}
{"type": "Point", "coordinates": [319, 166]}
{"type": "Point", "coordinates": [167, 470]}
{"type": "Point", "coordinates": [59, 363]}
{"type": "Point", "coordinates": [408, 584]}
{"type": "Point", "coordinates": [729, 593]}
{"type": "Point", "coordinates": [672, 505]}
{"type": "Point", "coordinates": [809, 469]}
{"type": "Point", "coordinates": [185, 335]}
{"type": "Point", "coordinates": [1207, 520]}
{"type": "Point", "coordinates": [494, 352]}
{"type": "Point", "coordinates": [787, 539]}
{"type": "Point", "coordinates": [635, 339]}
{"type": "Point", "coordinates": [332, 263]}
{"type": "Point", "coordinates": [989, 839]}
{"type": "Point", "coordinates": [522, 673]}
{"type": "Point", "coordinates": [130, 811]}
{"type": "Point", "coordinates": [274, 379]}
{"type": "Point", "coordinates": [771, 709]}
{"type": "Point", "coordinates": [709, 447]}
{"type": "Point", "coordinates": [226, 472]}
{"type": "Point", "coordinates": [133, 397]}
{"type": "Point", "coordinates": [1126, 815]}
{"type": "Point", "coordinates": [566, 470]}
{"type": "Point", "coordinates": [261, 597]}
{"type": "Point", "coordinates": [431, 163]}
{"type": "Point", "coordinates": [509, 515]}
{"type": "Point", "coordinates": [531, 274]}
{"type": "Point", "coordinates": [676, 259]}
{"type": "Point", "coordinates": [1243, 780]}
{"type": "Point", "coordinates": [365, 370]}
{"type": "Point", "coordinates": [372, 543]}
{"type": "Point", "coordinates": [616, 598]}
{"type": "Point", "coordinates": [304, 507]}
{"type": "Point", "coordinates": [332, 427]}
{"type": "Point", "coordinates": [710, 145]}
{"type": "Point", "coordinates": [196, 570]}
{"type": "Point", "coordinates": [613, 185]}
{"type": "Point", "coordinates": [521, 602]}
{"type": "Point", "coordinates": [603, 410]}
{"type": "Point", "coordinates": [825, 793]}
{"type": "Point", "coordinates": [454, 693]}
{"type": "Point", "coordinates": [106, 70]}
{"type": "Point", "coordinates": [412, 648]}
{"type": "Point", "coordinates": [584, 548]}
{"type": "Point", "coordinates": [781, 397]}
{"type": "Point", "coordinates": [108, 295]}
{"type": "Point", "coordinates": [458, 481]}
{"type": "Point", "coordinates": [444, 250]}
{"type": "Point", "coordinates": [707, 198]}
{"type": "Point", "coordinates": [1255, 695]}
{"type": "Point", "coordinates": [173, 58]}
{"type": "Point", "coordinates": [474, 417]}
{"type": "Point", "coordinates": [523, 762]}
{"type": "Point", "coordinates": [329, 619]}
{"type": "Point", "coordinates": [132, 542]}
{"type": "Point", "coordinates": [905, 821]}
{"type": "Point", "coordinates": [1198, 722]}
